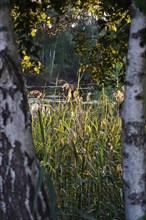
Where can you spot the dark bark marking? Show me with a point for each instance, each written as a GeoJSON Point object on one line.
{"type": "Point", "coordinates": [6, 114]}
{"type": "Point", "coordinates": [135, 35]}
{"type": "Point", "coordinates": [127, 83]}
{"type": "Point", "coordinates": [142, 44]}
{"type": "Point", "coordinates": [23, 107]}
{"type": "Point", "coordinates": [125, 155]}
{"type": "Point", "coordinates": [40, 205]}
{"type": "Point", "coordinates": [17, 144]}
{"type": "Point", "coordinates": [5, 143]}
{"type": "Point", "coordinates": [32, 192]}
{"type": "Point", "coordinates": [139, 96]}
{"type": "Point", "coordinates": [142, 180]}
{"type": "Point", "coordinates": [17, 79]}
{"type": "Point", "coordinates": [5, 147]}
{"type": "Point", "coordinates": [138, 137]}
{"type": "Point", "coordinates": [1, 66]}
{"type": "Point", "coordinates": [3, 29]}
{"type": "Point", "coordinates": [126, 184]}
{"type": "Point", "coordinates": [137, 198]}
{"type": "Point", "coordinates": [7, 179]}
{"type": "Point", "coordinates": [140, 76]}
{"type": "Point", "coordinates": [140, 34]}
{"type": "Point", "coordinates": [143, 55]}
{"type": "Point", "coordinates": [30, 160]}
{"type": "Point", "coordinates": [4, 93]}
{"type": "Point", "coordinates": [21, 182]}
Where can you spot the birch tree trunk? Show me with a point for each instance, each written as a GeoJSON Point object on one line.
{"type": "Point", "coordinates": [133, 115]}
{"type": "Point", "coordinates": [18, 164]}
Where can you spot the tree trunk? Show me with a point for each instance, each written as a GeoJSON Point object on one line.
{"type": "Point", "coordinates": [133, 115]}
{"type": "Point", "coordinates": [19, 168]}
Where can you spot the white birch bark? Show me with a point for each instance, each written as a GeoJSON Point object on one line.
{"type": "Point", "coordinates": [18, 164]}
{"type": "Point", "coordinates": [133, 115]}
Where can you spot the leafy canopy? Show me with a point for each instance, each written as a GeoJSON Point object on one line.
{"type": "Point", "coordinates": [102, 57]}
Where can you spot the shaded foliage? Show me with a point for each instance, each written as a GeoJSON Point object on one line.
{"type": "Point", "coordinates": [105, 58]}
{"type": "Point", "coordinates": [27, 15]}
{"type": "Point", "coordinates": [100, 48]}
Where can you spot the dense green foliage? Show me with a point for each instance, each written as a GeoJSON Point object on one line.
{"type": "Point", "coordinates": [100, 35]}
{"type": "Point", "coordinates": [27, 17]}
{"type": "Point", "coordinates": [105, 58]}
{"type": "Point", "coordinates": [80, 146]}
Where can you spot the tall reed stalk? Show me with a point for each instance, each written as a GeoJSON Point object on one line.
{"type": "Point", "coordinates": [81, 149]}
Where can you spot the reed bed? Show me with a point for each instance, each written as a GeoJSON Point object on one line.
{"type": "Point", "coordinates": [80, 148]}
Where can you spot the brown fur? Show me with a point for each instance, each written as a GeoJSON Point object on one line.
{"type": "Point", "coordinates": [35, 93]}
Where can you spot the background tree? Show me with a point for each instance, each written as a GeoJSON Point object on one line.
{"type": "Point", "coordinates": [19, 168]}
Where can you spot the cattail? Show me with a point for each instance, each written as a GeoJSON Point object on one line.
{"type": "Point", "coordinates": [119, 96]}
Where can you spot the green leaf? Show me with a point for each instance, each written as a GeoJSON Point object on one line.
{"type": "Point", "coordinates": [85, 215]}
{"type": "Point", "coordinates": [41, 127]}
{"type": "Point", "coordinates": [52, 198]}
{"type": "Point", "coordinates": [38, 186]}
{"type": "Point", "coordinates": [142, 218]}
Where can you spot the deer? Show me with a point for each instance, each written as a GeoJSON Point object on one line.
{"type": "Point", "coordinates": [35, 93]}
